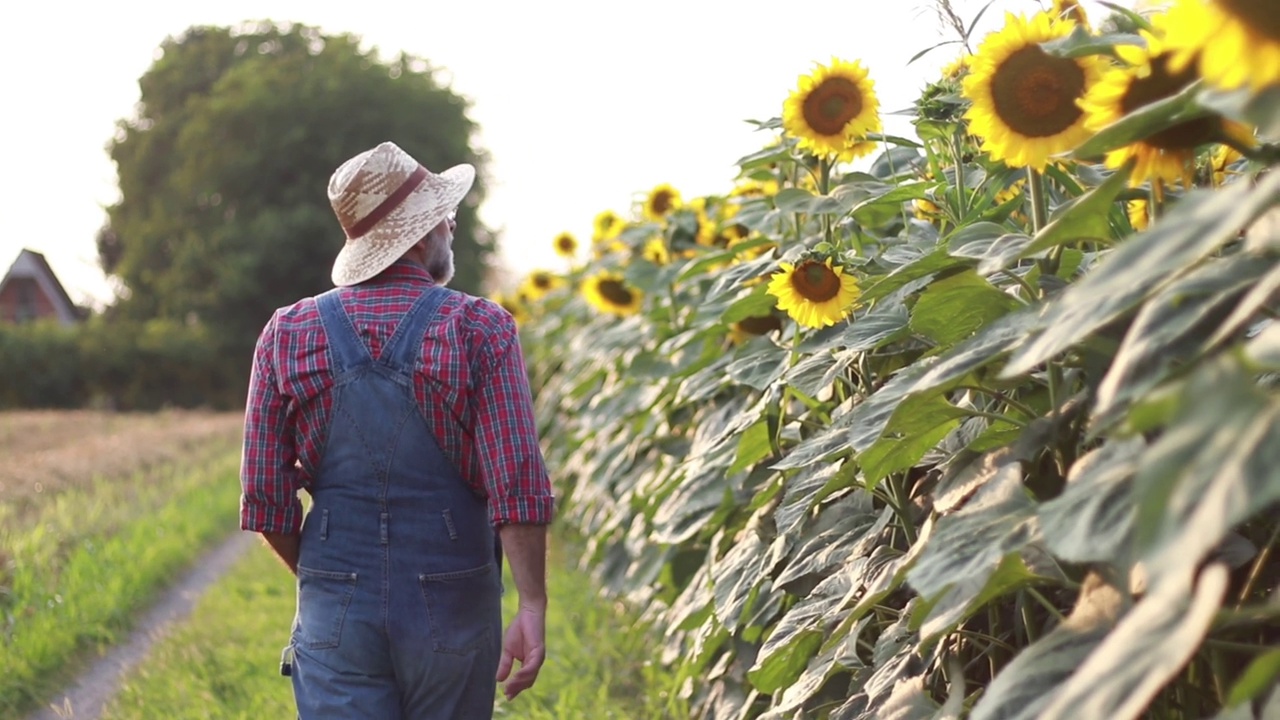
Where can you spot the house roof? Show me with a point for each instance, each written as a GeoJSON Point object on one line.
{"type": "Point", "coordinates": [32, 264]}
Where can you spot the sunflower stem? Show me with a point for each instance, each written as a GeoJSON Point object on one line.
{"type": "Point", "coordinates": [962, 200]}
{"type": "Point", "coordinates": [824, 186]}
{"type": "Point", "coordinates": [1039, 205]}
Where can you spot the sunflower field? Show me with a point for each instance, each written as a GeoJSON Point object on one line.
{"type": "Point", "coordinates": [982, 423]}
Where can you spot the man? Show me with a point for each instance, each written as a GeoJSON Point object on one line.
{"type": "Point", "coordinates": [403, 408]}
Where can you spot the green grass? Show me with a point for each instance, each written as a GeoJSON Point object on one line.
{"type": "Point", "coordinates": [75, 573]}
{"type": "Point", "coordinates": [224, 662]}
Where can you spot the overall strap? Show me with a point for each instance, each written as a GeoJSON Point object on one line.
{"type": "Point", "coordinates": [346, 348]}
{"type": "Point", "coordinates": [405, 346]}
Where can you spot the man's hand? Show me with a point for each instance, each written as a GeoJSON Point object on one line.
{"type": "Point", "coordinates": [525, 641]}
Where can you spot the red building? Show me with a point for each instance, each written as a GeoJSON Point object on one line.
{"type": "Point", "coordinates": [30, 291]}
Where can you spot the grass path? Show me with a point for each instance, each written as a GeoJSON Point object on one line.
{"type": "Point", "coordinates": [98, 685]}
{"type": "Point", "coordinates": [223, 662]}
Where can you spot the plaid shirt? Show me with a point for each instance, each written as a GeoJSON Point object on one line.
{"type": "Point", "coordinates": [472, 387]}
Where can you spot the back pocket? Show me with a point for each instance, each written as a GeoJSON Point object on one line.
{"type": "Point", "coordinates": [323, 598]}
{"type": "Point", "coordinates": [464, 607]}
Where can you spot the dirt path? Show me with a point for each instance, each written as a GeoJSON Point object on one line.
{"type": "Point", "coordinates": [88, 696]}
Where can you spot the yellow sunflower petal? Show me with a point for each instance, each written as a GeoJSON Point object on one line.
{"type": "Point", "coordinates": [1024, 101]}
{"type": "Point", "coordinates": [1236, 43]}
{"type": "Point", "coordinates": [832, 110]}
{"type": "Point", "coordinates": [815, 294]}
{"type": "Point", "coordinates": [608, 292]}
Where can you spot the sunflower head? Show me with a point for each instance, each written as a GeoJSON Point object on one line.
{"type": "Point", "coordinates": [655, 251]}
{"type": "Point", "coordinates": [747, 328]}
{"type": "Point", "coordinates": [1234, 43]}
{"type": "Point", "coordinates": [832, 110]}
{"type": "Point", "coordinates": [1070, 10]}
{"type": "Point", "coordinates": [539, 283]}
{"type": "Point", "coordinates": [660, 202]}
{"type": "Point", "coordinates": [1139, 213]}
{"type": "Point", "coordinates": [1024, 100]}
{"type": "Point", "coordinates": [1151, 75]}
{"type": "Point", "coordinates": [566, 245]}
{"type": "Point", "coordinates": [607, 292]}
{"type": "Point", "coordinates": [518, 311]}
{"type": "Point", "coordinates": [815, 293]}
{"type": "Point", "coordinates": [606, 226]}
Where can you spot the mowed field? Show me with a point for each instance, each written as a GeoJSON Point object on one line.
{"type": "Point", "coordinates": [100, 513]}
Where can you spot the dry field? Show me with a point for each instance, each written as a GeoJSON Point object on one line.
{"type": "Point", "coordinates": [45, 452]}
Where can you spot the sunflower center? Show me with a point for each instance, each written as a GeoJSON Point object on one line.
{"type": "Point", "coordinates": [661, 202]}
{"type": "Point", "coordinates": [1259, 15]}
{"type": "Point", "coordinates": [1161, 84]}
{"type": "Point", "coordinates": [542, 282]}
{"type": "Point", "coordinates": [1035, 93]}
{"type": "Point", "coordinates": [760, 324]}
{"type": "Point", "coordinates": [815, 282]}
{"type": "Point", "coordinates": [831, 105]}
{"type": "Point", "coordinates": [616, 292]}
{"type": "Point", "coordinates": [564, 243]}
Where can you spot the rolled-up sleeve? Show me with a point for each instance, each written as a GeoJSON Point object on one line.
{"type": "Point", "coordinates": [269, 480]}
{"type": "Point", "coordinates": [506, 435]}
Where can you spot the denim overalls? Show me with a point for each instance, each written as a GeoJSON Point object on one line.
{"type": "Point", "coordinates": [399, 596]}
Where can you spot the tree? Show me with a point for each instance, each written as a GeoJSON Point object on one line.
{"type": "Point", "coordinates": [223, 213]}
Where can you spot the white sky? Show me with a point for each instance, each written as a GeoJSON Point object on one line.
{"type": "Point", "coordinates": [583, 106]}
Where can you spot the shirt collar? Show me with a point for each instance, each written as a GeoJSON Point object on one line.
{"type": "Point", "coordinates": [402, 270]}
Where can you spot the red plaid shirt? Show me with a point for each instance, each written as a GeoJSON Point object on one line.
{"type": "Point", "coordinates": [472, 387]}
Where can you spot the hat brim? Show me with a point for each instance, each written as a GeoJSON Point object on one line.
{"type": "Point", "coordinates": [363, 257]}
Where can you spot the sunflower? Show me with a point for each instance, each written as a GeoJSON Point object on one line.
{"type": "Point", "coordinates": [607, 226]}
{"type": "Point", "coordinates": [1024, 99]}
{"type": "Point", "coordinates": [747, 328]}
{"type": "Point", "coordinates": [539, 283]}
{"type": "Point", "coordinates": [1010, 194]}
{"type": "Point", "coordinates": [815, 294]}
{"type": "Point", "coordinates": [508, 303]}
{"type": "Point", "coordinates": [655, 251]}
{"type": "Point", "coordinates": [1168, 155]}
{"type": "Point", "coordinates": [1139, 212]}
{"type": "Point", "coordinates": [832, 110]}
{"type": "Point", "coordinates": [608, 292]}
{"type": "Point", "coordinates": [1236, 42]}
{"type": "Point", "coordinates": [957, 67]}
{"type": "Point", "coordinates": [660, 202]}
{"type": "Point", "coordinates": [566, 245]}
{"type": "Point", "coordinates": [1222, 164]}
{"type": "Point", "coordinates": [1070, 10]}
{"type": "Point", "coordinates": [750, 188]}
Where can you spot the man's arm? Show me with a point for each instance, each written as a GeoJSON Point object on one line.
{"type": "Point", "coordinates": [526, 549]}
{"type": "Point", "coordinates": [286, 547]}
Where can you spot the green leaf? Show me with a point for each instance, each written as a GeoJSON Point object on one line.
{"type": "Point", "coordinates": [974, 241]}
{"type": "Point", "coordinates": [880, 326]}
{"type": "Point", "coordinates": [1260, 676]}
{"type": "Point", "coordinates": [955, 308]}
{"type": "Point", "coordinates": [756, 303]}
{"type": "Point", "coordinates": [795, 638]}
{"type": "Point", "coordinates": [735, 576]}
{"type": "Point", "coordinates": [1092, 520]}
{"type": "Point", "coordinates": [1145, 122]}
{"type": "Point", "coordinates": [1195, 227]}
{"type": "Point", "coordinates": [753, 446]}
{"type": "Point", "coordinates": [892, 453]}
{"type": "Point", "coordinates": [1170, 330]}
{"type": "Point", "coordinates": [1212, 469]}
{"type": "Point", "coordinates": [821, 445]}
{"type": "Point", "coordinates": [1147, 648]}
{"type": "Point", "coordinates": [1084, 219]}
{"type": "Point", "coordinates": [969, 545]}
{"type": "Point", "coordinates": [933, 261]}
{"type": "Point", "coordinates": [1082, 43]}
{"type": "Point", "coordinates": [760, 366]}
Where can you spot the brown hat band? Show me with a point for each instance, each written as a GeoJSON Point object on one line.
{"type": "Point", "coordinates": [391, 202]}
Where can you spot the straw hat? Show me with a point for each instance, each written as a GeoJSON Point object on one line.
{"type": "Point", "coordinates": [386, 201]}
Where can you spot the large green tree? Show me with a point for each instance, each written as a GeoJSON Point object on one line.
{"type": "Point", "coordinates": [223, 169]}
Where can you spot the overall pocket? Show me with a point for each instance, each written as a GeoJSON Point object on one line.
{"type": "Point", "coordinates": [323, 598]}
{"type": "Point", "coordinates": [463, 608]}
